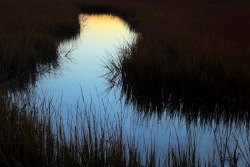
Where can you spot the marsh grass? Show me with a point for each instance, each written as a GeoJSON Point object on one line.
{"type": "Point", "coordinates": [202, 48]}
{"type": "Point", "coordinates": [30, 34]}
{"type": "Point", "coordinates": [190, 102]}
{"type": "Point", "coordinates": [198, 47]}
{"type": "Point", "coordinates": [230, 146]}
{"type": "Point", "coordinates": [34, 135]}
{"type": "Point", "coordinates": [33, 132]}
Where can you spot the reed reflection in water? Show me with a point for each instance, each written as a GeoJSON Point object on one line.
{"type": "Point", "coordinates": [172, 98]}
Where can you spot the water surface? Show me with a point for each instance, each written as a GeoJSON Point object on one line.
{"type": "Point", "coordinates": [79, 76]}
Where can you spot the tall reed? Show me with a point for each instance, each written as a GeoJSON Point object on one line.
{"type": "Point", "coordinates": [33, 132]}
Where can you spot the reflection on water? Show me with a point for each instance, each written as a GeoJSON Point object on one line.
{"type": "Point", "coordinates": [175, 101]}
{"type": "Point", "coordinates": [23, 81]}
{"type": "Point", "coordinates": [195, 104]}
{"type": "Point", "coordinates": [81, 70]}
{"type": "Point", "coordinates": [158, 114]}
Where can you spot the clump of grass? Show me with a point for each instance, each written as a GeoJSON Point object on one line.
{"type": "Point", "coordinates": [26, 139]}
{"type": "Point", "coordinates": [201, 106]}
{"type": "Point", "coordinates": [231, 147]}
{"type": "Point", "coordinates": [33, 134]}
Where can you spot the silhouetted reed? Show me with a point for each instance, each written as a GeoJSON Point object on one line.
{"type": "Point", "coordinates": [33, 132]}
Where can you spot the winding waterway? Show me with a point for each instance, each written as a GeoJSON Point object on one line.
{"type": "Point", "coordinates": [79, 76]}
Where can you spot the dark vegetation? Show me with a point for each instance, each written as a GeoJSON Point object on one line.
{"type": "Point", "coordinates": [197, 50]}
{"type": "Point", "coordinates": [29, 137]}
{"type": "Point", "coordinates": [30, 32]}
{"type": "Point", "coordinates": [33, 134]}
{"type": "Point", "coordinates": [189, 51]}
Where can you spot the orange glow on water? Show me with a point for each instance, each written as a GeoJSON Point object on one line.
{"type": "Point", "coordinates": [102, 27]}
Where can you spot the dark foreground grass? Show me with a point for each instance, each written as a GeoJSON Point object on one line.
{"type": "Point", "coordinates": [33, 133]}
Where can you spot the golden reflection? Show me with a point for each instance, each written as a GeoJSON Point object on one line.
{"type": "Point", "coordinates": [103, 27]}
{"type": "Point", "coordinates": [99, 19]}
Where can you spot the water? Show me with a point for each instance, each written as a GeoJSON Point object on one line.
{"type": "Point", "coordinates": [79, 76]}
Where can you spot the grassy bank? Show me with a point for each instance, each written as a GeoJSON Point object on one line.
{"type": "Point", "coordinates": [30, 33]}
